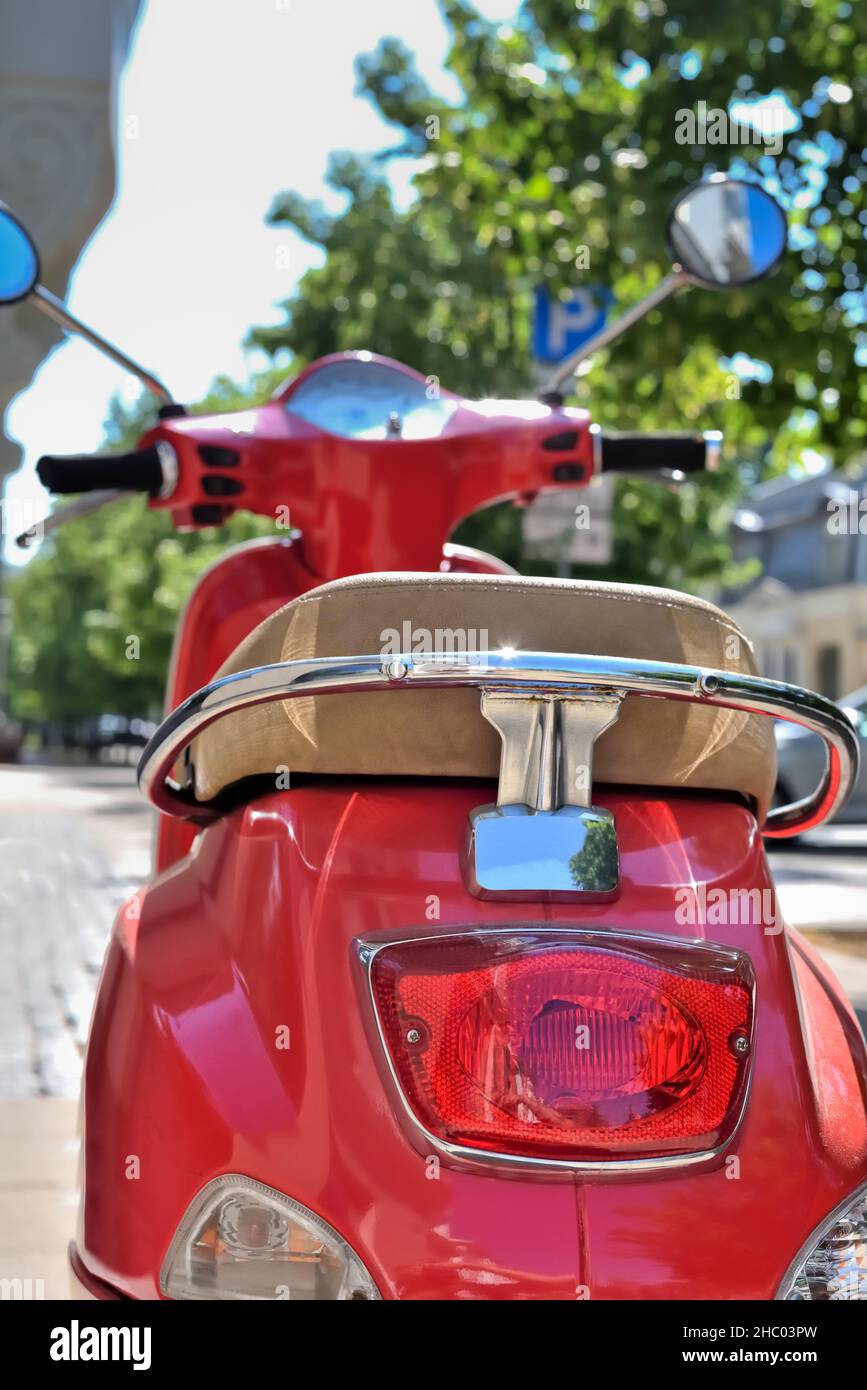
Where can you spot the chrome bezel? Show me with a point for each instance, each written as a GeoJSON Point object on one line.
{"type": "Point", "coordinates": [367, 948]}
{"type": "Point", "coordinates": [596, 446]}
{"type": "Point", "coordinates": [692, 276]}
{"type": "Point", "coordinates": [713, 442]}
{"type": "Point", "coordinates": [171, 468]}
{"type": "Point", "coordinates": [554, 673]}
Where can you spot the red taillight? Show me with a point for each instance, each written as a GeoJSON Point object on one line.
{"type": "Point", "coordinates": [556, 1044]}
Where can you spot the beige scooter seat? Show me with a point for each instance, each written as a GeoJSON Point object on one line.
{"type": "Point", "coordinates": [441, 733]}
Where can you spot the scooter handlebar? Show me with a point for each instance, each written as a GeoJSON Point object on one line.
{"type": "Point", "coordinates": [628, 452]}
{"type": "Point", "coordinates": [141, 470]}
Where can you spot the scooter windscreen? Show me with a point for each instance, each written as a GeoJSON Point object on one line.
{"type": "Point", "coordinates": [367, 399]}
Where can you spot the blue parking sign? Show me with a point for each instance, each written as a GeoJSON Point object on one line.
{"type": "Point", "coordinates": [562, 325]}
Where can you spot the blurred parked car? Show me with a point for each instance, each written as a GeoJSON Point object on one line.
{"type": "Point", "coordinates": [113, 731]}
{"type": "Point", "coordinates": [11, 735]}
{"type": "Point", "coordinates": [801, 759]}
{"type": "Point", "coordinates": [107, 738]}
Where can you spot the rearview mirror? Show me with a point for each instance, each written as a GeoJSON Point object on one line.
{"type": "Point", "coordinates": [721, 233]}
{"type": "Point", "coordinates": [724, 233]}
{"type": "Point", "coordinates": [19, 260]}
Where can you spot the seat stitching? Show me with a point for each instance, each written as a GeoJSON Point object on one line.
{"type": "Point", "coordinates": [688, 604]}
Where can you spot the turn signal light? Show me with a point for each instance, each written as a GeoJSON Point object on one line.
{"type": "Point", "coordinates": [566, 1045]}
{"type": "Point", "coordinates": [242, 1240]}
{"type": "Point", "coordinates": [833, 1265]}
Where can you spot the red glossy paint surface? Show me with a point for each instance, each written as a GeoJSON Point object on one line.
{"type": "Point", "coordinates": [255, 932]}
{"type": "Point", "coordinates": [833, 1035]}
{"type": "Point", "coordinates": [246, 585]}
{"type": "Point", "coordinates": [382, 504]}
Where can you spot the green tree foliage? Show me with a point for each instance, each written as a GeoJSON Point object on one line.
{"type": "Point", "coordinates": [559, 168]}
{"type": "Point", "coordinates": [122, 573]}
{"type": "Point", "coordinates": [596, 866]}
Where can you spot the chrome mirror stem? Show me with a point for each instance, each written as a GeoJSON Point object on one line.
{"type": "Point", "coordinates": [677, 280]}
{"type": "Point", "coordinates": [56, 310]}
{"type": "Point", "coordinates": [72, 511]}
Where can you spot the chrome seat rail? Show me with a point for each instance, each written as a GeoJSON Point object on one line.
{"type": "Point", "coordinates": [542, 673]}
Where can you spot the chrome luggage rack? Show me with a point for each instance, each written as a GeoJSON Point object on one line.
{"type": "Point", "coordinates": [543, 682]}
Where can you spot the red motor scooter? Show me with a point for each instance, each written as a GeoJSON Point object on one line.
{"type": "Point", "coordinates": [460, 974]}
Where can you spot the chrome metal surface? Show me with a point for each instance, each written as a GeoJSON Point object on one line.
{"type": "Point", "coordinates": [82, 506]}
{"type": "Point", "coordinates": [596, 438]}
{"type": "Point", "coordinates": [543, 838]}
{"type": "Point", "coordinates": [55, 309]}
{"type": "Point", "coordinates": [546, 759]}
{"type": "Point", "coordinates": [726, 233]}
{"type": "Point", "coordinates": [506, 1165]}
{"type": "Point", "coordinates": [713, 442]}
{"type": "Point", "coordinates": [509, 670]}
{"type": "Point", "coordinates": [519, 855]}
{"type": "Point", "coordinates": [170, 466]}
{"type": "Point", "coordinates": [677, 280]}
{"type": "Point", "coordinates": [452, 551]}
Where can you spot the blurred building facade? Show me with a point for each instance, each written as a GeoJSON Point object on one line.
{"type": "Point", "coordinates": [807, 612]}
{"type": "Point", "coordinates": [59, 67]}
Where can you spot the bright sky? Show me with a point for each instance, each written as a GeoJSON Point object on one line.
{"type": "Point", "coordinates": [223, 104]}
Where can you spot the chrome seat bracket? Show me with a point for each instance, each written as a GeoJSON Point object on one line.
{"type": "Point", "coordinates": [544, 838]}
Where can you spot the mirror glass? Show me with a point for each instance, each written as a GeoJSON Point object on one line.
{"type": "Point", "coordinates": [19, 263]}
{"type": "Point", "coordinates": [725, 233]}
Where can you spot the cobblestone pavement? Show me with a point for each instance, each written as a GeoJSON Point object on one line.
{"type": "Point", "coordinates": [75, 841]}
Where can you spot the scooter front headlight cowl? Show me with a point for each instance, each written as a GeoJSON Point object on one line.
{"type": "Point", "coordinates": [242, 1240]}
{"type": "Point", "coordinates": [832, 1264]}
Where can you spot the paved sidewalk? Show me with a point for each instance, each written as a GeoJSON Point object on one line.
{"type": "Point", "coordinates": [821, 885]}
{"type": "Point", "coordinates": [38, 1199]}
{"type": "Point", "coordinates": [822, 904]}
{"type": "Point", "coordinates": [822, 878]}
{"type": "Point", "coordinates": [74, 843]}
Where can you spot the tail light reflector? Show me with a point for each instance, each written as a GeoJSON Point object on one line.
{"type": "Point", "coordinates": [566, 1045]}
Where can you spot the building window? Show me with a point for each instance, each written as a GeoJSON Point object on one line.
{"type": "Point", "coordinates": [828, 671]}
{"type": "Point", "coordinates": [791, 666]}
{"type": "Point", "coordinates": [779, 661]}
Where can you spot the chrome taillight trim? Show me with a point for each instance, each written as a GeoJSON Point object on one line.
{"type": "Point", "coordinates": [516, 1165]}
{"type": "Point", "coordinates": [551, 673]}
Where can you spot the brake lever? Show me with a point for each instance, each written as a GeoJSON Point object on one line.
{"type": "Point", "coordinates": [82, 506]}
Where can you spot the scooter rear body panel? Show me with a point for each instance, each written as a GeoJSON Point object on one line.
{"type": "Point", "coordinates": [254, 933]}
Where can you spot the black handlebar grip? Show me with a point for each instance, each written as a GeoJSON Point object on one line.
{"type": "Point", "coordinates": [627, 452]}
{"type": "Point", "coordinates": [138, 471]}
